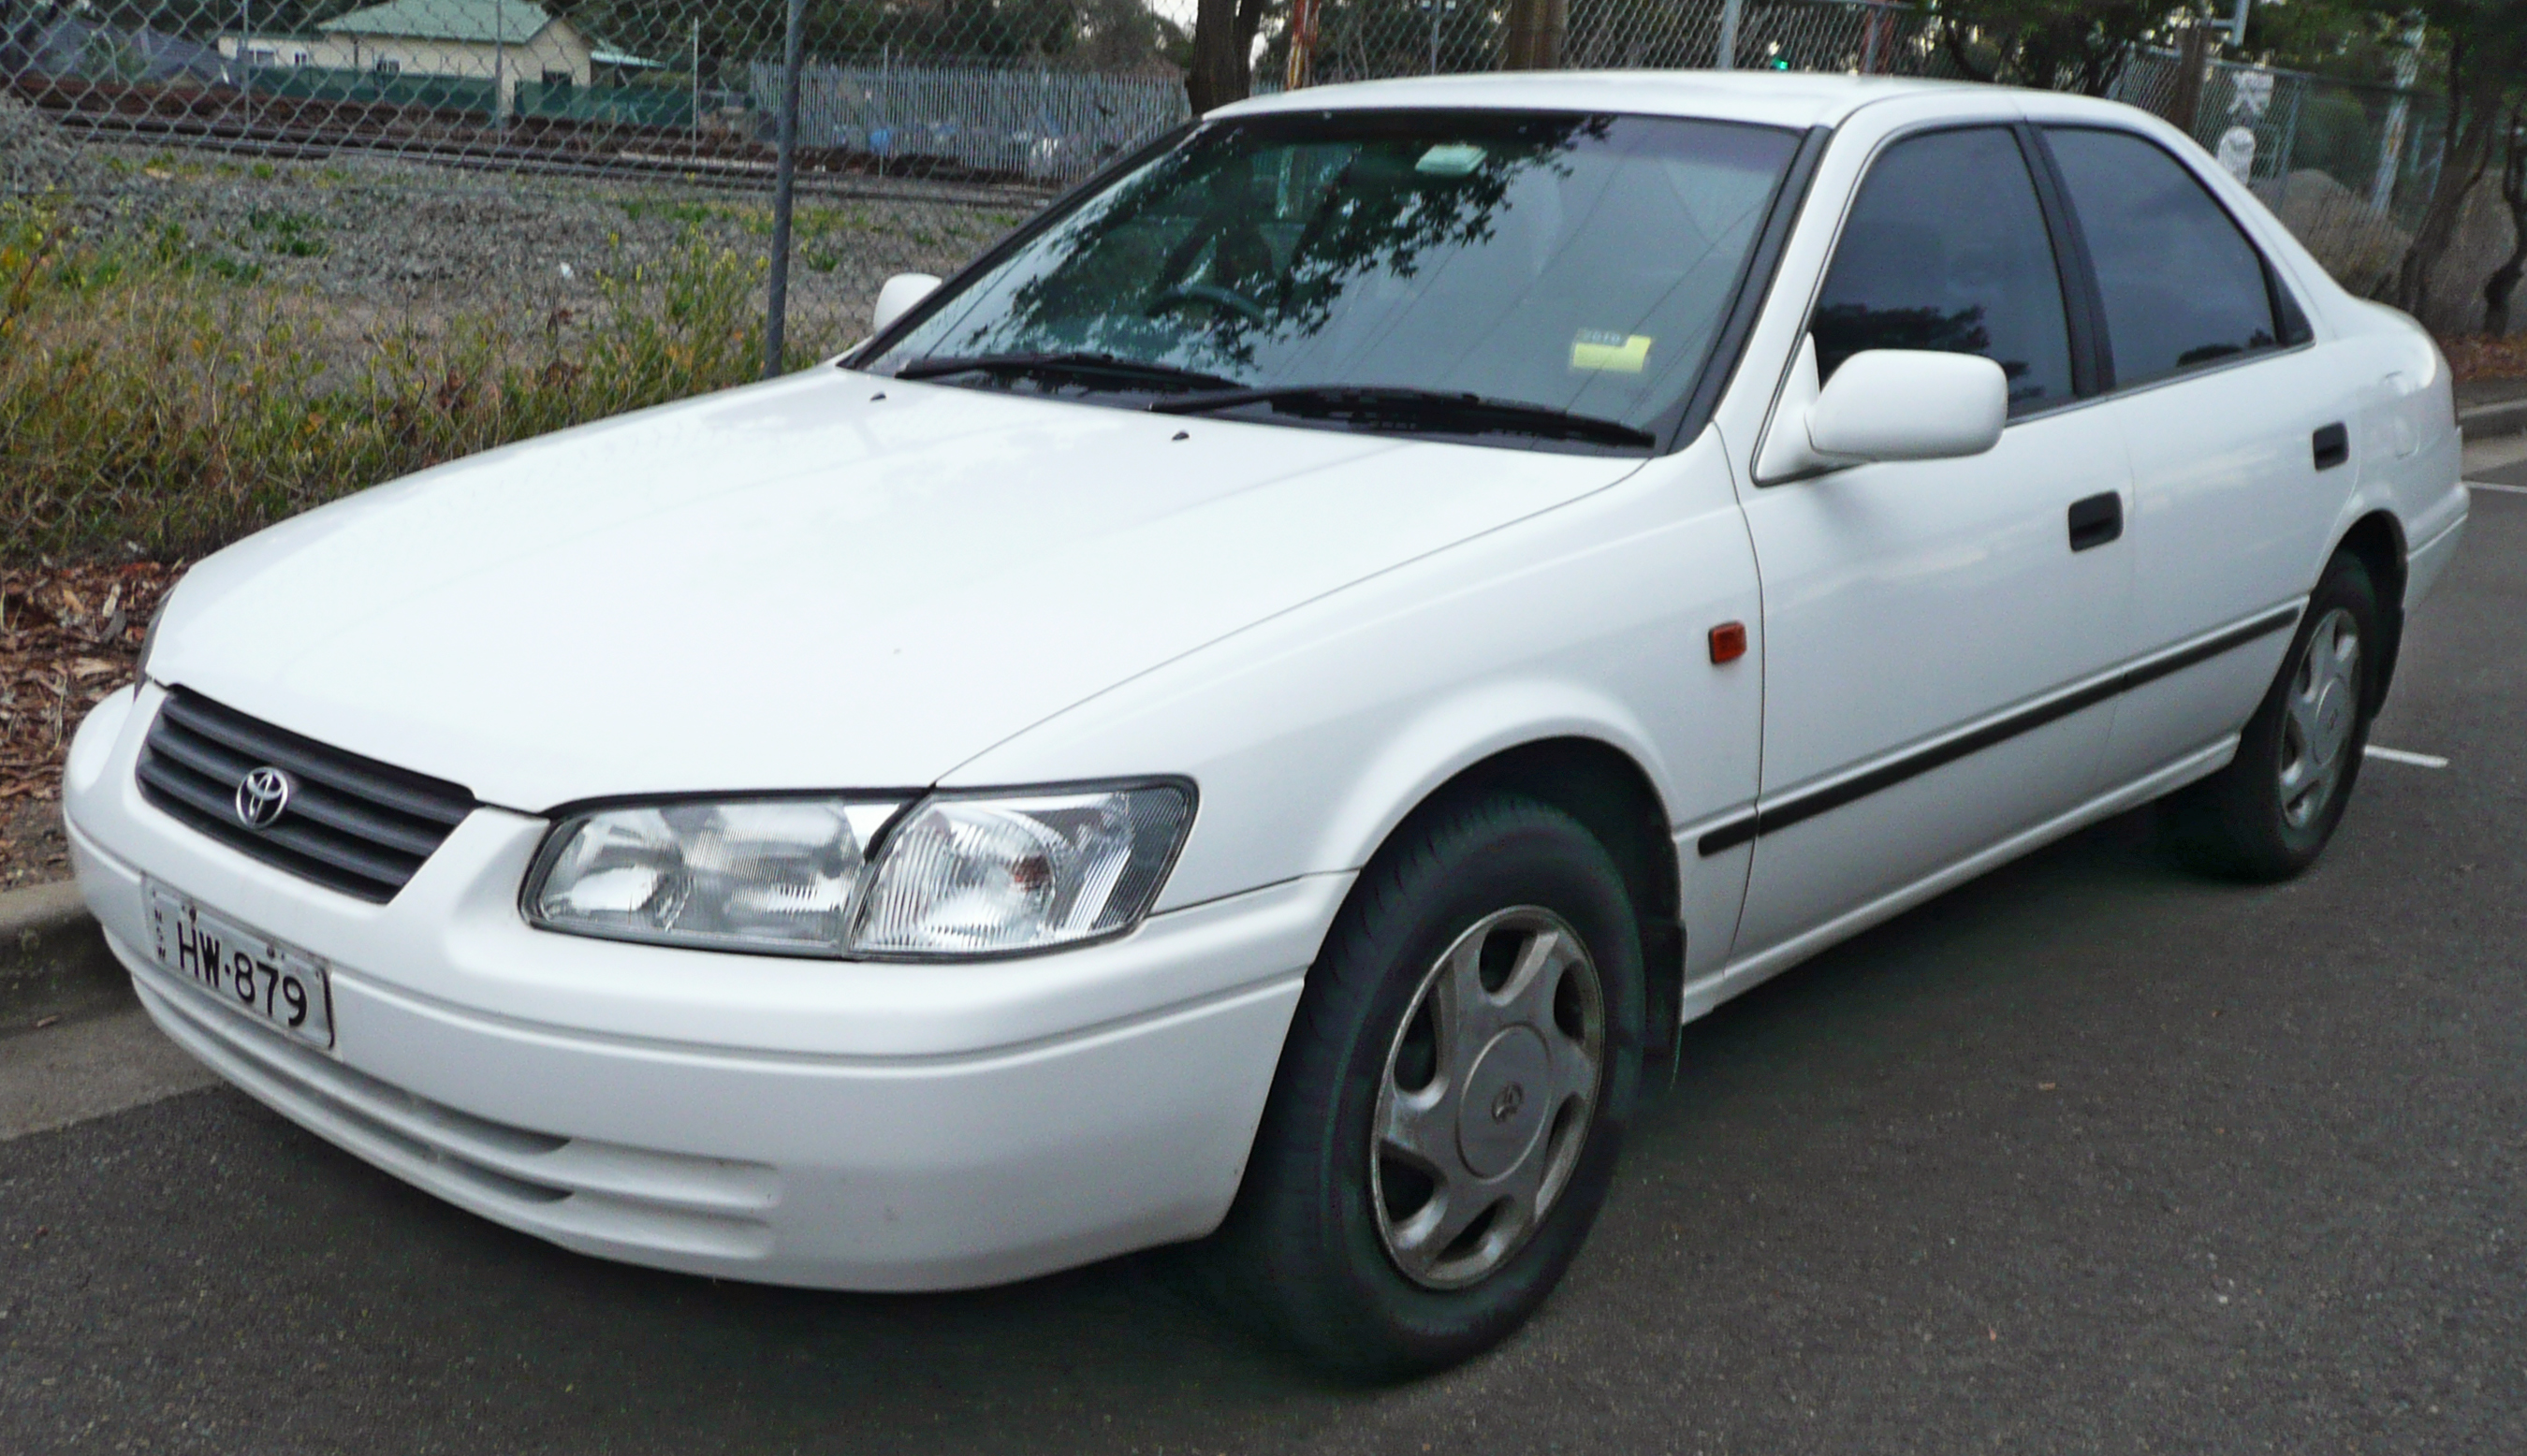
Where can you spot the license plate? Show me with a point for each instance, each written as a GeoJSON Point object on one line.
{"type": "Point", "coordinates": [247, 970]}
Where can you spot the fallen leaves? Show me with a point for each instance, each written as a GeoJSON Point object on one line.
{"type": "Point", "coordinates": [2486, 358]}
{"type": "Point", "coordinates": [69, 635]}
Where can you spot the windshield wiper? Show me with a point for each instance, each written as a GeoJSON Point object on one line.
{"type": "Point", "coordinates": [1077, 364]}
{"type": "Point", "coordinates": [1427, 408]}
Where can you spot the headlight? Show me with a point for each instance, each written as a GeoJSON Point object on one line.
{"type": "Point", "coordinates": [964, 877]}
{"type": "Point", "coordinates": [756, 873]}
{"type": "Point", "coordinates": [954, 876]}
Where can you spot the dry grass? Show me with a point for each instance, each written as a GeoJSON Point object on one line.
{"type": "Point", "coordinates": [153, 409]}
{"type": "Point", "coordinates": [150, 407]}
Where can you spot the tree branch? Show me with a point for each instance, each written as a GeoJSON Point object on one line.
{"type": "Point", "coordinates": [1952, 40]}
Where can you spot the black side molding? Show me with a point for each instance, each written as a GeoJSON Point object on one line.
{"type": "Point", "coordinates": [2097, 519]}
{"type": "Point", "coordinates": [2333, 446]}
{"type": "Point", "coordinates": [1783, 812]}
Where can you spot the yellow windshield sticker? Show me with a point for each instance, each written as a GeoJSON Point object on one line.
{"type": "Point", "coordinates": [1612, 353]}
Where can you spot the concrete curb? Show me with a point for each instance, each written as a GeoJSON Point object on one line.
{"type": "Point", "coordinates": [2486, 421]}
{"type": "Point", "coordinates": [53, 960]}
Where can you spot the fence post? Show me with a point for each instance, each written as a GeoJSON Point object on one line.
{"type": "Point", "coordinates": [783, 178]}
{"type": "Point", "coordinates": [1726, 60]}
{"type": "Point", "coordinates": [2290, 135]}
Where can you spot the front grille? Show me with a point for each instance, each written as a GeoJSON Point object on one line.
{"type": "Point", "coordinates": [350, 824]}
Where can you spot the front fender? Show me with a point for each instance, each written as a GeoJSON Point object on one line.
{"type": "Point", "coordinates": [1313, 734]}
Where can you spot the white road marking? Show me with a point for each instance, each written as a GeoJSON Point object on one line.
{"type": "Point", "coordinates": [2400, 756]}
{"type": "Point", "coordinates": [2503, 489]}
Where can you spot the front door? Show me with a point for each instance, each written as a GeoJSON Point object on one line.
{"type": "Point", "coordinates": [1928, 626]}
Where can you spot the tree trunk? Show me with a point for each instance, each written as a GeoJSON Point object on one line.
{"type": "Point", "coordinates": [1536, 29]}
{"type": "Point", "coordinates": [2514, 192]}
{"type": "Point", "coordinates": [2474, 96]}
{"type": "Point", "coordinates": [2194, 57]}
{"type": "Point", "coordinates": [1223, 51]}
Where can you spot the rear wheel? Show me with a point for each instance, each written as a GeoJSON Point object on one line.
{"type": "Point", "coordinates": [1451, 1100]}
{"type": "Point", "coordinates": [2271, 811]}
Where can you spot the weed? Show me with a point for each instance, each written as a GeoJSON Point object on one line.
{"type": "Point", "coordinates": [691, 214]}
{"type": "Point", "coordinates": [233, 269]}
{"type": "Point", "coordinates": [291, 235]}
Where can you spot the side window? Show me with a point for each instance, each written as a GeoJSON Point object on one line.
{"type": "Point", "coordinates": [2181, 285]}
{"type": "Point", "coordinates": [1946, 250]}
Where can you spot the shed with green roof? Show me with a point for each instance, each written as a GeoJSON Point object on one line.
{"type": "Point", "coordinates": [506, 41]}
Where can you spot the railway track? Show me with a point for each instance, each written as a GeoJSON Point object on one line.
{"type": "Point", "coordinates": [727, 174]}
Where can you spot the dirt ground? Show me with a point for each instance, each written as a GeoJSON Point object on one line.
{"type": "Point", "coordinates": [2481, 358]}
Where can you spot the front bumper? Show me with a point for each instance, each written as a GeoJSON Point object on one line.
{"type": "Point", "coordinates": [828, 1123]}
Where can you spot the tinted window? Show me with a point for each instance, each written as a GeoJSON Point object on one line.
{"type": "Point", "coordinates": [1946, 250]}
{"type": "Point", "coordinates": [1580, 262]}
{"type": "Point", "coordinates": [2183, 287]}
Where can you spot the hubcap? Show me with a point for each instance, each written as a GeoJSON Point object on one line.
{"type": "Point", "coordinates": [1487, 1096]}
{"type": "Point", "coordinates": [2322, 710]}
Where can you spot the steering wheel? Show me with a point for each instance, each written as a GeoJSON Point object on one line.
{"type": "Point", "coordinates": [1213, 295]}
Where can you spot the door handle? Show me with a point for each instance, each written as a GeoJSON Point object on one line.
{"type": "Point", "coordinates": [2333, 446]}
{"type": "Point", "coordinates": [2097, 519]}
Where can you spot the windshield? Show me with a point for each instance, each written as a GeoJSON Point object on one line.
{"type": "Point", "coordinates": [1573, 264]}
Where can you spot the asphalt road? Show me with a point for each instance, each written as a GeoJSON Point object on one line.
{"type": "Point", "coordinates": [2089, 1156]}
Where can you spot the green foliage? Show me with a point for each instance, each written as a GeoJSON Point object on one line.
{"type": "Point", "coordinates": [147, 397]}
{"type": "Point", "coordinates": [2067, 45]}
{"type": "Point", "coordinates": [289, 233]}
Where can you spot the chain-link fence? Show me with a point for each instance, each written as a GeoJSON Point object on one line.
{"type": "Point", "coordinates": [254, 253]}
{"type": "Point", "coordinates": [1370, 39]}
{"type": "Point", "coordinates": [2347, 168]}
{"type": "Point", "coordinates": [921, 125]}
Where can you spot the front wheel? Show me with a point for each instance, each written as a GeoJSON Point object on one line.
{"type": "Point", "coordinates": [1450, 1099]}
{"type": "Point", "coordinates": [2269, 813]}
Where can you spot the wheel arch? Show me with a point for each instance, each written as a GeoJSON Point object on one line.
{"type": "Point", "coordinates": [2377, 541]}
{"type": "Point", "coordinates": [1614, 797]}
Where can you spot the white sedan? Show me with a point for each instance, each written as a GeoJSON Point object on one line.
{"type": "Point", "coordinates": [1254, 712]}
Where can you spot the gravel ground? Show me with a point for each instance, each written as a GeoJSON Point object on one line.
{"type": "Point", "coordinates": [371, 232]}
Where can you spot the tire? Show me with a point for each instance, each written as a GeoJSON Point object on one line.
{"type": "Point", "coordinates": [2268, 815]}
{"type": "Point", "coordinates": [1515, 899]}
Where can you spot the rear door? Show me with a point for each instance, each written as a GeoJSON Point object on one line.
{"type": "Point", "coordinates": [2237, 424]}
{"type": "Point", "coordinates": [1923, 621]}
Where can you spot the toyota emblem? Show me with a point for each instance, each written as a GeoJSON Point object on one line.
{"type": "Point", "coordinates": [260, 797]}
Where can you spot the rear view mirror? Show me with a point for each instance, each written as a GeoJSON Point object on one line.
{"type": "Point", "coordinates": [1885, 404]}
{"type": "Point", "coordinates": [899, 295]}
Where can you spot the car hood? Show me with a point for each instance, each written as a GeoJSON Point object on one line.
{"type": "Point", "coordinates": [830, 580]}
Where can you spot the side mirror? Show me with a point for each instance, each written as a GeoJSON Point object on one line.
{"type": "Point", "coordinates": [900, 294]}
{"type": "Point", "coordinates": [1885, 404]}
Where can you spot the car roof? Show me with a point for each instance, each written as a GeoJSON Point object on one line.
{"type": "Point", "coordinates": [1771, 97]}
